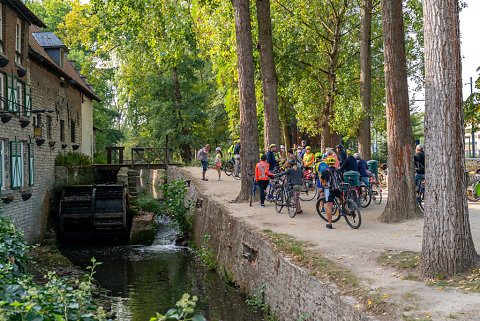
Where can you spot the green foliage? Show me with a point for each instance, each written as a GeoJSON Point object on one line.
{"type": "Point", "coordinates": [258, 304]}
{"type": "Point", "coordinates": [174, 205]}
{"type": "Point", "coordinates": [148, 203]}
{"type": "Point", "coordinates": [205, 253]}
{"type": "Point", "coordinates": [71, 159]}
{"type": "Point", "coordinates": [471, 107]}
{"type": "Point", "coordinates": [22, 299]}
{"type": "Point", "coordinates": [13, 256]}
{"type": "Point", "coordinates": [184, 310]}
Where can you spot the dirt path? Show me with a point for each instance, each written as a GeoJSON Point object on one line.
{"type": "Point", "coordinates": [359, 249]}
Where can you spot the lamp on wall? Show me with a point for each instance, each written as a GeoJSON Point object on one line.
{"type": "Point", "coordinates": [21, 72]}
{"type": "Point", "coordinates": [3, 61]}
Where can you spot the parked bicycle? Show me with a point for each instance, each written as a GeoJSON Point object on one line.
{"type": "Point", "coordinates": [382, 175]}
{"type": "Point", "coordinates": [286, 197]}
{"type": "Point", "coordinates": [473, 185]}
{"type": "Point", "coordinates": [420, 194]}
{"type": "Point", "coordinates": [310, 189]}
{"type": "Point", "coordinates": [230, 169]}
{"type": "Point", "coordinates": [270, 192]}
{"type": "Point", "coordinates": [374, 189]}
{"type": "Point", "coordinates": [344, 206]}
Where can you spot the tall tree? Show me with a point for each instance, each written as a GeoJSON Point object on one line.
{"type": "Point", "coordinates": [447, 240]}
{"type": "Point", "coordinates": [401, 203]}
{"type": "Point", "coordinates": [246, 87]}
{"type": "Point", "coordinates": [271, 127]}
{"type": "Point", "coordinates": [363, 137]}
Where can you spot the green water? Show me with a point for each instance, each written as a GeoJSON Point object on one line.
{"type": "Point", "coordinates": [149, 279]}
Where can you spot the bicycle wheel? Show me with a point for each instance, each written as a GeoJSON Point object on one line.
{"type": "Point", "coordinates": [472, 196]}
{"type": "Point", "coordinates": [335, 210]}
{"type": "Point", "coordinates": [352, 215]}
{"type": "Point", "coordinates": [376, 192]}
{"type": "Point", "coordinates": [237, 175]}
{"type": "Point", "coordinates": [252, 194]}
{"type": "Point", "coordinates": [365, 196]}
{"type": "Point", "coordinates": [292, 204]}
{"type": "Point", "coordinates": [420, 197]}
{"type": "Point", "coordinates": [271, 193]}
{"type": "Point", "coordinates": [228, 168]}
{"type": "Point", "coordinates": [279, 200]}
{"type": "Point", "coordinates": [309, 190]}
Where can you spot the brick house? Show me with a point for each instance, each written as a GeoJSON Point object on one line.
{"type": "Point", "coordinates": [45, 108]}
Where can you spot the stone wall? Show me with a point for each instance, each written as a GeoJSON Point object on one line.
{"type": "Point", "coordinates": [249, 258]}
{"type": "Point", "coordinates": [150, 182]}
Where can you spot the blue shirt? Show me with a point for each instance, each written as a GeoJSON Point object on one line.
{"type": "Point", "coordinates": [350, 164]}
{"type": "Point", "coordinates": [362, 167]}
{"type": "Point", "coordinates": [272, 162]}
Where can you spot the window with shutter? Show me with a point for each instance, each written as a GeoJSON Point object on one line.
{"type": "Point", "coordinates": [19, 92]}
{"type": "Point", "coordinates": [30, 165]}
{"type": "Point", "coordinates": [2, 88]}
{"type": "Point", "coordinates": [16, 164]}
{"type": "Point", "coordinates": [28, 101]}
{"type": "Point", "coordinates": [10, 93]}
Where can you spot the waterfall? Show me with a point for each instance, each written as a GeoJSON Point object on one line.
{"type": "Point", "coordinates": [166, 233]}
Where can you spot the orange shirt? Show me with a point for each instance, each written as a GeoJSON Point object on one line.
{"type": "Point", "coordinates": [261, 171]}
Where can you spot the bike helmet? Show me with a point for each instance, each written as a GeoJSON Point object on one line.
{"type": "Point", "coordinates": [263, 157]}
{"type": "Point", "coordinates": [304, 141]}
{"type": "Point", "coordinates": [218, 148]}
{"type": "Point", "coordinates": [350, 151]}
{"type": "Point", "coordinates": [318, 155]}
{"type": "Point", "coordinates": [282, 147]}
{"type": "Point", "coordinates": [339, 146]}
{"type": "Point", "coordinates": [273, 145]}
{"type": "Point", "coordinates": [292, 161]}
{"type": "Point", "coordinates": [308, 147]}
{"type": "Point", "coordinates": [331, 160]}
{"type": "Point", "coordinates": [357, 155]}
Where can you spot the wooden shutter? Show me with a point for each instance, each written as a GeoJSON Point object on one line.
{"type": "Point", "coordinates": [16, 106]}
{"type": "Point", "coordinates": [28, 101]}
{"type": "Point", "coordinates": [16, 164]}
{"type": "Point", "coordinates": [31, 168]}
{"type": "Point", "coordinates": [10, 93]}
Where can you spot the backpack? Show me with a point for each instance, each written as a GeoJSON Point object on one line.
{"type": "Point", "coordinates": [336, 181]}
{"type": "Point", "coordinates": [200, 154]}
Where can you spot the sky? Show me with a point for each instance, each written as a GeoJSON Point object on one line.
{"type": "Point", "coordinates": [470, 47]}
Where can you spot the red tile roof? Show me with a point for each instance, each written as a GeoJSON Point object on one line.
{"type": "Point", "coordinates": [68, 70]}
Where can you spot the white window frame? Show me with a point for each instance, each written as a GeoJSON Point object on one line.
{"type": "Point", "coordinates": [19, 98]}
{"type": "Point", "coordinates": [18, 42]}
{"type": "Point", "coordinates": [2, 86]}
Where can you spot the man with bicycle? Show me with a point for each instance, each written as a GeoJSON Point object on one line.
{"type": "Point", "coordinates": [333, 179]}
{"type": "Point", "coordinates": [362, 169]}
{"type": "Point", "coordinates": [419, 159]}
{"type": "Point", "coordinates": [262, 177]}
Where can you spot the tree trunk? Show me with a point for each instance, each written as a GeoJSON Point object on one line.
{"type": "Point", "coordinates": [271, 129]}
{"type": "Point", "coordinates": [185, 152]}
{"type": "Point", "coordinates": [401, 202]}
{"type": "Point", "coordinates": [364, 143]}
{"type": "Point", "coordinates": [283, 116]}
{"type": "Point", "coordinates": [246, 86]}
{"type": "Point", "coordinates": [447, 240]}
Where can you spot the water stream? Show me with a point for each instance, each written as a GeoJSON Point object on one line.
{"type": "Point", "coordinates": [144, 280]}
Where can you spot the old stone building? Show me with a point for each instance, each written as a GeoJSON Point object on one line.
{"type": "Point", "coordinates": [45, 108]}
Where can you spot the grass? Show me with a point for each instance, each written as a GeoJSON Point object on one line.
{"type": "Point", "coordinates": [322, 268]}
{"type": "Point", "coordinates": [402, 260]}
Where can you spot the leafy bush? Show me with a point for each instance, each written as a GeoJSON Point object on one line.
{"type": "Point", "coordinates": [22, 299]}
{"type": "Point", "coordinates": [205, 253]}
{"type": "Point", "coordinates": [148, 203]}
{"type": "Point", "coordinates": [12, 248]}
{"type": "Point", "coordinates": [185, 308]}
{"type": "Point", "coordinates": [70, 159]}
{"type": "Point", "coordinates": [174, 205]}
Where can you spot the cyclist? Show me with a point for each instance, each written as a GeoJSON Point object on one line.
{"type": "Point", "coordinates": [282, 154]}
{"type": "Point", "coordinates": [308, 158]}
{"type": "Point", "coordinates": [236, 152]}
{"type": "Point", "coordinates": [298, 152]}
{"type": "Point", "coordinates": [262, 177]}
{"type": "Point", "coordinates": [304, 146]}
{"type": "Point", "coordinates": [362, 169]}
{"type": "Point", "coordinates": [318, 169]}
{"type": "Point", "coordinates": [294, 180]}
{"type": "Point", "coordinates": [231, 151]}
{"type": "Point", "coordinates": [271, 157]}
{"type": "Point", "coordinates": [350, 163]}
{"type": "Point", "coordinates": [333, 179]}
{"type": "Point", "coordinates": [341, 154]}
{"type": "Point", "coordinates": [419, 164]}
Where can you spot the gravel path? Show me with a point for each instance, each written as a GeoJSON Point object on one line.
{"type": "Point", "coordinates": [358, 249]}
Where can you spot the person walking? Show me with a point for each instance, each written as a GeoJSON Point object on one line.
{"type": "Point", "coordinates": [218, 162]}
{"type": "Point", "coordinates": [262, 174]}
{"type": "Point", "coordinates": [202, 155]}
{"type": "Point", "coordinates": [332, 177]}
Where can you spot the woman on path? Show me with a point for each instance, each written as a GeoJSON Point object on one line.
{"type": "Point", "coordinates": [218, 162]}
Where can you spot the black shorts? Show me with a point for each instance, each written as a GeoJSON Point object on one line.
{"type": "Point", "coordinates": [330, 195]}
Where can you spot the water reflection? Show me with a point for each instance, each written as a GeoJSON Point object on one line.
{"type": "Point", "coordinates": [152, 279]}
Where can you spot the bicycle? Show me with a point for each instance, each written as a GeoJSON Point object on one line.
{"type": "Point", "coordinates": [343, 206]}
{"type": "Point", "coordinates": [310, 190]}
{"type": "Point", "coordinates": [373, 189]}
{"type": "Point", "coordinates": [286, 197]}
{"type": "Point", "coordinates": [420, 193]}
{"type": "Point", "coordinates": [473, 186]}
{"type": "Point", "coordinates": [270, 192]}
